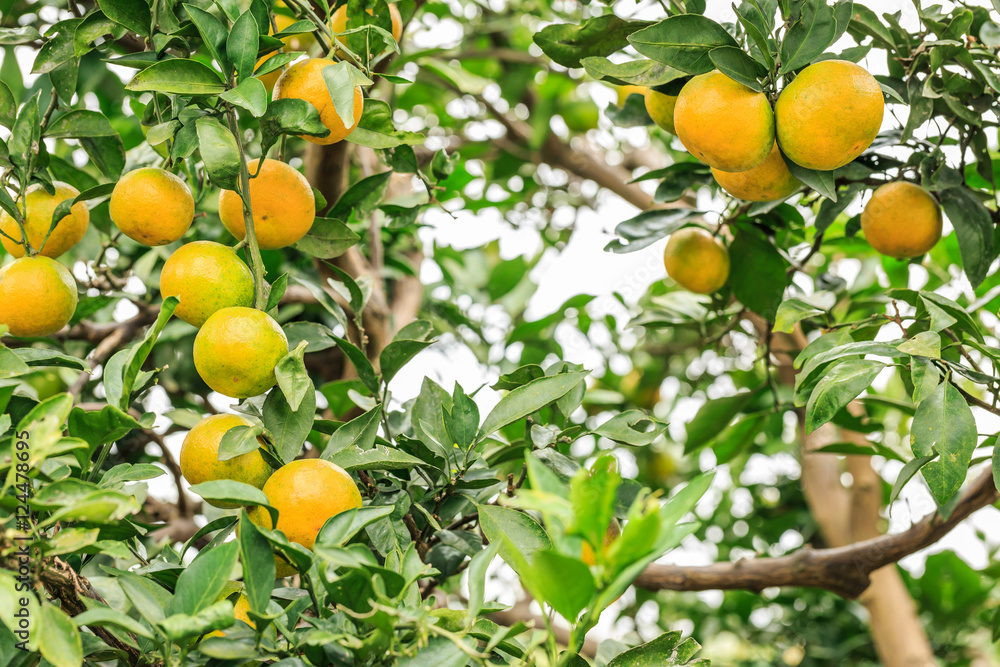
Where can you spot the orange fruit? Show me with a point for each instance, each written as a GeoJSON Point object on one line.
{"type": "Point", "coordinates": [338, 21]}
{"type": "Point", "coordinates": [901, 220]}
{"type": "Point", "coordinates": [206, 277]}
{"type": "Point", "coordinates": [200, 462]}
{"type": "Point", "coordinates": [829, 114]}
{"type": "Point", "coordinates": [696, 261]}
{"type": "Point", "coordinates": [625, 91]}
{"type": "Point", "coordinates": [236, 350]}
{"type": "Point", "coordinates": [240, 609]}
{"type": "Point", "coordinates": [723, 123]}
{"type": "Point", "coordinates": [37, 296]}
{"type": "Point", "coordinates": [283, 203]}
{"type": "Point", "coordinates": [768, 181]}
{"type": "Point", "coordinates": [305, 81]}
{"type": "Point", "coordinates": [152, 206]}
{"type": "Point", "coordinates": [306, 493]}
{"type": "Point", "coordinates": [40, 207]}
{"type": "Point", "coordinates": [660, 108]}
{"type": "Point", "coordinates": [299, 42]}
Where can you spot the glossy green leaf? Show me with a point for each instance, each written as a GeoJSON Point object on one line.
{"type": "Point", "coordinates": [944, 424]}
{"type": "Point", "coordinates": [838, 387]}
{"type": "Point", "coordinates": [529, 398]}
{"type": "Point", "coordinates": [177, 76]}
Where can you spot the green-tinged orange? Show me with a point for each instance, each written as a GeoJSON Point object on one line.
{"type": "Point", "coordinates": [829, 114]}
{"type": "Point", "coordinates": [723, 123]}
{"type": "Point", "coordinates": [768, 181]}
{"type": "Point", "coordinates": [206, 277]}
{"type": "Point", "coordinates": [236, 350]}
{"type": "Point", "coordinates": [37, 296]}
{"type": "Point", "coordinates": [660, 108]}
{"type": "Point", "coordinates": [152, 206]}
{"type": "Point", "coordinates": [282, 201]}
{"type": "Point", "coordinates": [306, 493]}
{"type": "Point", "coordinates": [901, 220]}
{"type": "Point", "coordinates": [40, 207]}
{"type": "Point", "coordinates": [696, 260]}
{"type": "Point", "coordinates": [200, 462]}
{"type": "Point", "coordinates": [305, 81]}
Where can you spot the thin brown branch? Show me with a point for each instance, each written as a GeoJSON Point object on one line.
{"type": "Point", "coordinates": [843, 570]}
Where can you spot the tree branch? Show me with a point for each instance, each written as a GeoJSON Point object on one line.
{"type": "Point", "coordinates": [843, 570]}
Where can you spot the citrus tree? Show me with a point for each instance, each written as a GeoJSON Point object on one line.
{"type": "Point", "coordinates": [226, 263]}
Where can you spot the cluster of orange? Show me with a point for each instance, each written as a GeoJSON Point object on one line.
{"type": "Point", "coordinates": [825, 118]}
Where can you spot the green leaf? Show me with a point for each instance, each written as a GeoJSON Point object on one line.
{"type": "Point", "coordinates": [59, 640]}
{"type": "Point", "coordinates": [632, 427]}
{"type": "Point", "coordinates": [177, 76]}
{"type": "Point", "coordinates": [239, 440]}
{"type": "Point", "coordinates": [182, 626]}
{"type": "Point", "coordinates": [376, 129]}
{"type": "Point", "coordinates": [109, 424]}
{"type": "Point", "coordinates": [523, 533]}
{"type": "Point", "coordinates": [924, 376]}
{"type": "Point", "coordinates": [359, 433]}
{"type": "Point", "coordinates": [738, 66]}
{"type": "Point", "coordinates": [683, 42]}
{"type": "Point", "coordinates": [290, 116]}
{"type": "Point", "coordinates": [756, 28]}
{"type": "Point", "coordinates": [397, 354]}
{"type": "Point", "coordinates": [202, 581]}
{"type": "Point", "coordinates": [477, 581]}
{"type": "Point", "coordinates": [133, 14]}
{"type": "Point", "coordinates": [974, 230]}
{"type": "Point", "coordinates": [328, 238]}
{"type": "Point", "coordinates": [277, 291]}
{"type": "Point", "coordinates": [228, 491]}
{"type": "Point", "coordinates": [241, 46]}
{"type": "Point", "coordinates": [107, 154]}
{"type": "Point", "coordinates": [463, 419]}
{"type": "Point", "coordinates": [757, 273]}
{"type": "Point", "coordinates": [712, 418]}
{"type": "Point", "coordinates": [567, 44]}
{"type": "Point", "coordinates": [250, 94]}
{"type": "Point", "coordinates": [80, 123]}
{"type": "Point", "coordinates": [924, 344]}
{"type": "Point", "coordinates": [8, 106]}
{"type": "Point", "coordinates": [647, 228]}
{"type": "Point", "coordinates": [944, 424]}
{"type": "Point", "coordinates": [996, 465]}
{"type": "Point", "coordinates": [565, 583]}
{"type": "Point", "coordinates": [340, 528]}
{"type": "Point", "coordinates": [138, 353]}
{"type": "Point", "coordinates": [342, 80]}
{"type": "Point", "coordinates": [258, 564]}
{"type": "Point", "coordinates": [362, 197]}
{"type": "Point", "coordinates": [377, 458]}
{"type": "Point", "coordinates": [289, 428]}
{"type": "Point", "coordinates": [439, 652]}
{"type": "Point", "coordinates": [293, 378]}
{"type": "Point", "coordinates": [213, 33]}
{"type": "Point", "coordinates": [809, 35]}
{"type": "Point", "coordinates": [841, 385]}
{"type": "Point", "coordinates": [906, 474]}
{"type": "Point", "coordinates": [529, 398]}
{"type": "Point", "coordinates": [26, 133]}
{"type": "Point", "coordinates": [633, 72]}
{"type": "Point", "coordinates": [219, 152]}
{"type": "Point", "coordinates": [361, 363]}
{"type": "Point", "coordinates": [792, 311]}
{"type": "Point", "coordinates": [103, 617]}
{"type": "Point", "coordinates": [667, 650]}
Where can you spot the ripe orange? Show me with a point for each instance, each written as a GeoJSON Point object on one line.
{"type": "Point", "coordinates": [300, 42]}
{"type": "Point", "coordinates": [240, 609]}
{"type": "Point", "coordinates": [37, 296]}
{"type": "Point", "coordinates": [625, 91]}
{"type": "Point", "coordinates": [338, 21]}
{"type": "Point", "coordinates": [768, 181]}
{"type": "Point", "coordinates": [283, 203]}
{"type": "Point", "coordinates": [660, 108]}
{"type": "Point", "coordinates": [696, 261]}
{"type": "Point", "coordinates": [206, 277]}
{"type": "Point", "coordinates": [40, 207]}
{"type": "Point", "coordinates": [236, 350]}
{"type": "Point", "coordinates": [305, 81]}
{"type": "Point", "coordinates": [723, 123]}
{"type": "Point", "coordinates": [152, 206]}
{"type": "Point", "coordinates": [901, 220]}
{"type": "Point", "coordinates": [306, 493]}
{"type": "Point", "coordinates": [200, 462]}
{"type": "Point", "coordinates": [829, 114]}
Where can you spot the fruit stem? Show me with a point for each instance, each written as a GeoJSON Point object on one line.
{"type": "Point", "coordinates": [256, 263]}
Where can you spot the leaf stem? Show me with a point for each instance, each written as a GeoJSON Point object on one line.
{"type": "Point", "coordinates": [256, 263]}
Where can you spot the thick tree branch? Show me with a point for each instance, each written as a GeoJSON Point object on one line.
{"type": "Point", "coordinates": [843, 570]}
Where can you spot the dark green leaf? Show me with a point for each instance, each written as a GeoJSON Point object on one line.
{"type": "Point", "coordinates": [809, 35]}
{"type": "Point", "coordinates": [529, 398]}
{"type": "Point", "coordinates": [133, 14]}
{"type": "Point", "coordinates": [177, 76]}
{"type": "Point", "coordinates": [712, 418]}
{"type": "Point", "coordinates": [241, 45]}
{"type": "Point", "coordinates": [683, 42]}
{"type": "Point", "coordinates": [258, 564]}
{"type": "Point", "coordinates": [567, 44]}
{"type": "Point", "coordinates": [289, 428]}
{"type": "Point", "coordinates": [974, 231]}
{"type": "Point", "coordinates": [757, 273]}
{"type": "Point", "coordinates": [944, 424]}
{"type": "Point", "coordinates": [250, 94]}
{"type": "Point", "coordinates": [841, 385]}
{"type": "Point", "coordinates": [213, 34]}
{"type": "Point", "coordinates": [219, 152]}
{"type": "Point", "coordinates": [328, 237]}
{"type": "Point", "coordinates": [738, 66]}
